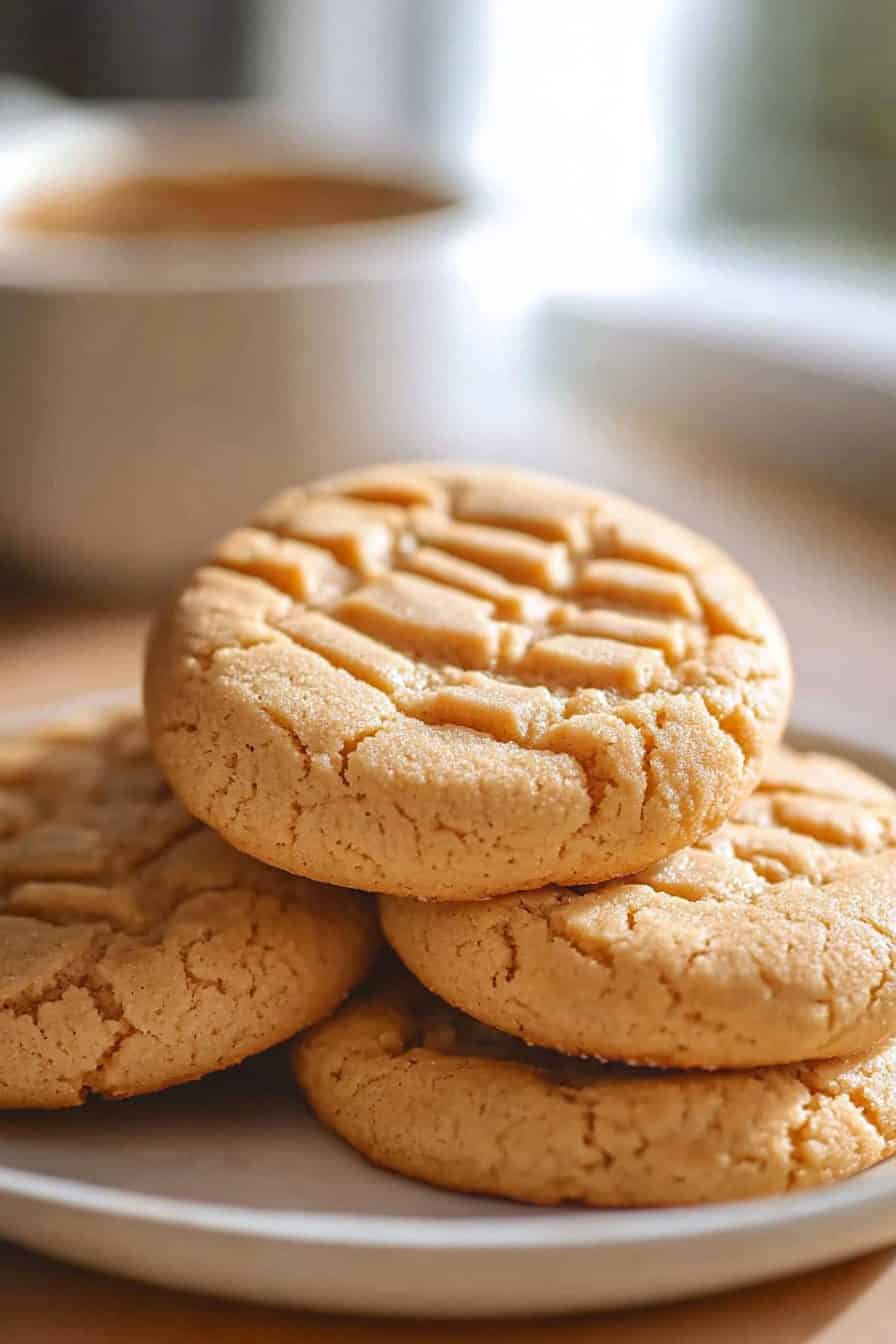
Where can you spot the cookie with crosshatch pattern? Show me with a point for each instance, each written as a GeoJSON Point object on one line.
{"type": "Point", "coordinates": [772, 940]}
{"type": "Point", "coordinates": [451, 682]}
{"type": "Point", "coordinates": [137, 950]}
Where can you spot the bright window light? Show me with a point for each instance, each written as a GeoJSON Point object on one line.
{"type": "Point", "coordinates": [567, 107]}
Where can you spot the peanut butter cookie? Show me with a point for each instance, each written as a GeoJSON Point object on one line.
{"type": "Point", "coordinates": [422, 1090]}
{"type": "Point", "coordinates": [450, 682]}
{"type": "Point", "coordinates": [136, 949]}
{"type": "Point", "coordinates": [773, 940]}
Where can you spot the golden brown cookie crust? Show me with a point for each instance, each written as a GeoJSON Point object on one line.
{"type": "Point", "coordinates": [136, 949]}
{"type": "Point", "coordinates": [771, 941]}
{"type": "Point", "coordinates": [454, 682]}
{"type": "Point", "coordinates": [422, 1090]}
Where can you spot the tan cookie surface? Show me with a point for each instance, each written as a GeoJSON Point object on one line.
{"type": "Point", "coordinates": [773, 940]}
{"type": "Point", "coordinates": [428, 1092]}
{"type": "Point", "coordinates": [448, 682]}
{"type": "Point", "coordinates": [138, 950]}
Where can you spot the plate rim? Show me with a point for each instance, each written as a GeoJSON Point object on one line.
{"type": "Point", "coordinates": [565, 1229]}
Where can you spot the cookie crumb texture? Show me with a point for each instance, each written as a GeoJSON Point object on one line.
{"type": "Point", "coordinates": [452, 683]}
{"type": "Point", "coordinates": [427, 1092]}
{"type": "Point", "coordinates": [771, 941]}
{"type": "Point", "coordinates": [136, 949]}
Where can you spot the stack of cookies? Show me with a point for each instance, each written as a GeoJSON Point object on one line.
{"type": "Point", "coordinates": [641, 954]}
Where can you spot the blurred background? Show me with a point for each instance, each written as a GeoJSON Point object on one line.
{"type": "Point", "coordinates": [661, 257]}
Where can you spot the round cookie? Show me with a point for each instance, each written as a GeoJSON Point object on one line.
{"type": "Point", "coordinates": [426, 1091]}
{"type": "Point", "coordinates": [136, 949]}
{"type": "Point", "coordinates": [773, 940]}
{"type": "Point", "coordinates": [450, 682]}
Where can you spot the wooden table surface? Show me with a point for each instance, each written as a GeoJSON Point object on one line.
{"type": "Point", "coordinates": [830, 568]}
{"type": "Point", "coordinates": [45, 1303]}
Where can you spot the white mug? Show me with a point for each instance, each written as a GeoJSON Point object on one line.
{"type": "Point", "coordinates": [154, 390]}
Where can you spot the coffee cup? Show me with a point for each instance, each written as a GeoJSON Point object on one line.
{"type": "Point", "coordinates": [175, 355]}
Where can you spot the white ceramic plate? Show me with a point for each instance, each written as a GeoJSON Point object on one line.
{"type": "Point", "coordinates": [229, 1186]}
